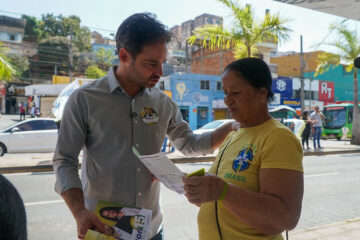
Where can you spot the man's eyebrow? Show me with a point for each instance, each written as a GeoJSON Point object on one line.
{"type": "Point", "coordinates": [154, 61]}
{"type": "Point", "coordinates": [151, 60]}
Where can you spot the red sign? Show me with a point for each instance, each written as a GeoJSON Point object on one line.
{"type": "Point", "coordinates": [2, 90]}
{"type": "Point", "coordinates": [326, 91]}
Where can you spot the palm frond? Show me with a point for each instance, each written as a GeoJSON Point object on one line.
{"type": "Point", "coordinates": [212, 37]}
{"type": "Point", "coordinates": [325, 61]}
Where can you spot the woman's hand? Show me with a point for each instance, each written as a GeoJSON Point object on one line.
{"type": "Point", "coordinates": [203, 189]}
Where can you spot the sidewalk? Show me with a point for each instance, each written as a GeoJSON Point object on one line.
{"type": "Point", "coordinates": [346, 230]}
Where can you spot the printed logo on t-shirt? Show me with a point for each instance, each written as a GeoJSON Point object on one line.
{"type": "Point", "coordinates": [243, 159]}
{"type": "Point", "coordinates": [149, 116]}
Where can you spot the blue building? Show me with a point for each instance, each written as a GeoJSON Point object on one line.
{"type": "Point", "coordinates": [196, 95]}
{"type": "Point", "coordinates": [96, 46]}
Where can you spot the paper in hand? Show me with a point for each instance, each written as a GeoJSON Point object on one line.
{"type": "Point", "coordinates": [164, 170]}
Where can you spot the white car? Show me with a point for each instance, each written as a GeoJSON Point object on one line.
{"type": "Point", "coordinates": [31, 135]}
{"type": "Point", "coordinates": [211, 126]}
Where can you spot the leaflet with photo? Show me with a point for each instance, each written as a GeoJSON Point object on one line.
{"type": "Point", "coordinates": [127, 222]}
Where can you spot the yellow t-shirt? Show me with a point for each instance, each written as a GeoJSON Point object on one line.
{"type": "Point", "coordinates": [268, 145]}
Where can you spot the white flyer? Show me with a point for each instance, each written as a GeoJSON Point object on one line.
{"type": "Point", "coordinates": [164, 170]}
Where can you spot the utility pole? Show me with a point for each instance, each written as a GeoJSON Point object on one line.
{"type": "Point", "coordinates": [71, 56]}
{"type": "Point", "coordinates": [302, 65]}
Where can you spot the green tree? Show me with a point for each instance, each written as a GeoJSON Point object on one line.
{"type": "Point", "coordinates": [6, 70]}
{"type": "Point", "coordinates": [31, 31]}
{"type": "Point", "coordinates": [347, 45]}
{"type": "Point", "coordinates": [19, 63]}
{"type": "Point", "coordinates": [104, 58]}
{"type": "Point", "coordinates": [245, 34]}
{"type": "Point", "coordinates": [94, 72]}
{"type": "Point", "coordinates": [52, 26]}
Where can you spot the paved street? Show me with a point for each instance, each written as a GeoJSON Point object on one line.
{"type": "Point", "coordinates": [331, 195]}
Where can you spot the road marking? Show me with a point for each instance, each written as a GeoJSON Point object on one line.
{"type": "Point", "coordinates": [44, 202]}
{"type": "Point", "coordinates": [322, 174]}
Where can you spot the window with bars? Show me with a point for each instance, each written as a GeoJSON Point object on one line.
{"type": "Point", "coordinates": [219, 86]}
{"type": "Point", "coordinates": [205, 85]}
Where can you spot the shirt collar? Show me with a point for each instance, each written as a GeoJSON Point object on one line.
{"type": "Point", "coordinates": [114, 83]}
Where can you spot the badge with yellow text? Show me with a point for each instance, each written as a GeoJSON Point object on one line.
{"type": "Point", "coordinates": [149, 116]}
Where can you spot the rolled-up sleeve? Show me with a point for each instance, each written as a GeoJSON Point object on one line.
{"type": "Point", "coordinates": [183, 138]}
{"type": "Point", "coordinates": [71, 139]}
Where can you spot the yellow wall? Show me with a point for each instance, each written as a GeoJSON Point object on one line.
{"type": "Point", "coordinates": [289, 66]}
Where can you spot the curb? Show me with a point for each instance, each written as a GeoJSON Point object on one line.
{"type": "Point", "coordinates": [49, 167]}
{"type": "Point", "coordinates": [300, 231]}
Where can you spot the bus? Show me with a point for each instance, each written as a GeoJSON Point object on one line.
{"type": "Point", "coordinates": [338, 116]}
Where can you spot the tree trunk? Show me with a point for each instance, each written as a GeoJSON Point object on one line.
{"type": "Point", "coordinates": [356, 116]}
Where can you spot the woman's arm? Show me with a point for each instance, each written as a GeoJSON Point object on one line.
{"type": "Point", "coordinates": [275, 208]}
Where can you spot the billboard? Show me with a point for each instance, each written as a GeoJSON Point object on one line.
{"type": "Point", "coordinates": [326, 91]}
{"type": "Point", "coordinates": [294, 103]}
{"type": "Point", "coordinates": [282, 85]}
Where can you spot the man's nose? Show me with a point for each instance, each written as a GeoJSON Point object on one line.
{"type": "Point", "coordinates": [159, 70]}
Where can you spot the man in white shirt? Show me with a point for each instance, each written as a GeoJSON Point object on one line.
{"type": "Point", "coordinates": [317, 118]}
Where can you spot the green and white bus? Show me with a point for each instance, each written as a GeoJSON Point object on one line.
{"type": "Point", "coordinates": [338, 116]}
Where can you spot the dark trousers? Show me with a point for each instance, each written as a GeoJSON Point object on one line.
{"type": "Point", "coordinates": [159, 236]}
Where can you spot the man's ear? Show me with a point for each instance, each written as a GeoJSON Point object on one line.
{"type": "Point", "coordinates": [124, 56]}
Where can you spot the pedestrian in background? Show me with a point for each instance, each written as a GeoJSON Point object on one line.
{"type": "Point", "coordinates": [22, 111]}
{"type": "Point", "coordinates": [107, 118]}
{"type": "Point", "coordinates": [305, 135]}
{"type": "Point", "coordinates": [316, 117]}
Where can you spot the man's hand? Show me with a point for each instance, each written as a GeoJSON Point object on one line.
{"type": "Point", "coordinates": [220, 133]}
{"type": "Point", "coordinates": [88, 220]}
{"type": "Point", "coordinates": [203, 189]}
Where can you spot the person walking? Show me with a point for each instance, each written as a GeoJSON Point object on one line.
{"type": "Point", "coordinates": [22, 111]}
{"type": "Point", "coordinates": [317, 118]}
{"type": "Point", "coordinates": [107, 118]}
{"type": "Point", "coordinates": [305, 135]}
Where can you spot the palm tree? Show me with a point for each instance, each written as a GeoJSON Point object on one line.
{"type": "Point", "coordinates": [6, 70]}
{"type": "Point", "coordinates": [347, 44]}
{"type": "Point", "coordinates": [245, 34]}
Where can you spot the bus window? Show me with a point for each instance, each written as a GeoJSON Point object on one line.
{"type": "Point", "coordinates": [335, 117]}
{"type": "Point", "coordinates": [350, 117]}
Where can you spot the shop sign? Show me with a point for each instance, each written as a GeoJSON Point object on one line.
{"type": "Point", "coordinates": [326, 91]}
{"type": "Point", "coordinates": [283, 86]}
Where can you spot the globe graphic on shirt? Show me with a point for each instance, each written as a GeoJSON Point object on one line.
{"type": "Point", "coordinates": [242, 161]}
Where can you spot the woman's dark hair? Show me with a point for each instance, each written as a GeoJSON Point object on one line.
{"type": "Point", "coordinates": [255, 71]}
{"type": "Point", "coordinates": [138, 30]}
{"type": "Point", "coordinates": [304, 114]}
{"type": "Point", "coordinates": [12, 212]}
{"type": "Point", "coordinates": [117, 209]}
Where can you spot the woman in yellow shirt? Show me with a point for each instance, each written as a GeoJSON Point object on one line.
{"type": "Point", "coordinates": [254, 188]}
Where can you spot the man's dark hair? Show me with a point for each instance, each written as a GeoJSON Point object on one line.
{"type": "Point", "coordinates": [255, 71]}
{"type": "Point", "coordinates": [12, 212]}
{"type": "Point", "coordinates": [138, 30]}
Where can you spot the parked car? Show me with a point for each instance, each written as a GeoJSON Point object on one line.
{"type": "Point", "coordinates": [31, 135]}
{"type": "Point", "coordinates": [211, 126]}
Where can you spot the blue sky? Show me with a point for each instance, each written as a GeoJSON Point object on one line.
{"type": "Point", "coordinates": [108, 14]}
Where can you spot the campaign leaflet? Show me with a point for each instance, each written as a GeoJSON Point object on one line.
{"type": "Point", "coordinates": [127, 222]}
